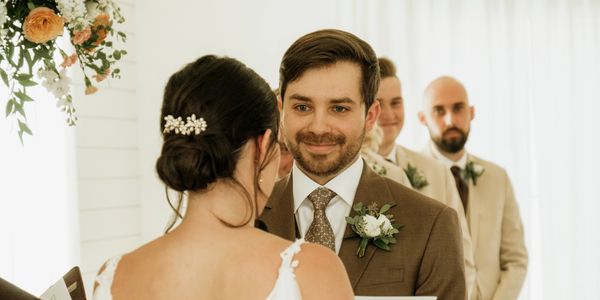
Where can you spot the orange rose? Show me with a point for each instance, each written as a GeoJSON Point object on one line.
{"type": "Point", "coordinates": [42, 25]}
{"type": "Point", "coordinates": [102, 20]}
{"type": "Point", "coordinates": [81, 36]}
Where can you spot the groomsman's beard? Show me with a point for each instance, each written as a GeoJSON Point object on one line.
{"type": "Point", "coordinates": [317, 164]}
{"type": "Point", "coordinates": [451, 144]}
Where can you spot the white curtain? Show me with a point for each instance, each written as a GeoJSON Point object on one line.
{"type": "Point", "coordinates": [532, 70]}
{"type": "Point", "coordinates": [39, 222]}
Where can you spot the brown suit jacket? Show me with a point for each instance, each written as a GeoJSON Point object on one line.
{"type": "Point", "coordinates": [427, 259]}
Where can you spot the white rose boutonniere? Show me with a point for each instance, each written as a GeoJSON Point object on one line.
{"type": "Point", "coordinates": [473, 171]}
{"type": "Point", "coordinates": [372, 223]}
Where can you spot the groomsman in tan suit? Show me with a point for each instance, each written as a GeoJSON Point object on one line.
{"type": "Point", "coordinates": [484, 187]}
{"type": "Point", "coordinates": [425, 174]}
{"type": "Point", "coordinates": [328, 82]}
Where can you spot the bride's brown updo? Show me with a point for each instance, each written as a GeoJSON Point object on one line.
{"type": "Point", "coordinates": [237, 105]}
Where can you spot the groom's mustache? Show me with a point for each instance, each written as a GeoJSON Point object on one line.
{"type": "Point", "coordinates": [318, 139]}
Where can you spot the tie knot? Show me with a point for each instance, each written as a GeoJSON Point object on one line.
{"type": "Point", "coordinates": [320, 197]}
{"type": "Point", "coordinates": [455, 171]}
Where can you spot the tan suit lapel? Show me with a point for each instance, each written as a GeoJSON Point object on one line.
{"type": "Point", "coordinates": [400, 157]}
{"type": "Point", "coordinates": [371, 188]}
{"type": "Point", "coordinates": [279, 212]}
{"type": "Point", "coordinates": [474, 209]}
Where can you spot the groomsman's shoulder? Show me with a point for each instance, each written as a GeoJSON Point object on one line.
{"type": "Point", "coordinates": [421, 160]}
{"type": "Point", "coordinates": [411, 202]}
{"type": "Point", "coordinates": [493, 171]}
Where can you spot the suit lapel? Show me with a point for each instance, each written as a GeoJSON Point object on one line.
{"type": "Point", "coordinates": [371, 188]}
{"type": "Point", "coordinates": [278, 215]}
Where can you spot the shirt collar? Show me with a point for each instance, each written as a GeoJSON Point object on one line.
{"type": "Point", "coordinates": [392, 156]}
{"type": "Point", "coordinates": [461, 162]}
{"type": "Point", "coordinates": [344, 184]}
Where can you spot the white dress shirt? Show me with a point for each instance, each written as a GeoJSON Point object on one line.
{"type": "Point", "coordinates": [344, 185]}
{"type": "Point", "coordinates": [461, 162]}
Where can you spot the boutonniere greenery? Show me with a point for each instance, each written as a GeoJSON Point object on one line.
{"type": "Point", "coordinates": [372, 224]}
{"type": "Point", "coordinates": [379, 169]}
{"type": "Point", "coordinates": [416, 177]}
{"type": "Point", "coordinates": [473, 171]}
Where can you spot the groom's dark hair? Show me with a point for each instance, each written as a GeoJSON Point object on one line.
{"type": "Point", "coordinates": [324, 48]}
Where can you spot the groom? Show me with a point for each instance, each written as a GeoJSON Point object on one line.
{"type": "Point", "coordinates": [328, 82]}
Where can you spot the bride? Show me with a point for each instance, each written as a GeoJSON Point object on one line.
{"type": "Point", "coordinates": [219, 122]}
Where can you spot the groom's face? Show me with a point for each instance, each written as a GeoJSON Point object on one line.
{"type": "Point", "coordinates": [324, 119]}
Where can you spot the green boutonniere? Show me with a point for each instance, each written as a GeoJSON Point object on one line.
{"type": "Point", "coordinates": [473, 171]}
{"type": "Point", "coordinates": [379, 169]}
{"type": "Point", "coordinates": [372, 223]}
{"type": "Point", "coordinates": [416, 177]}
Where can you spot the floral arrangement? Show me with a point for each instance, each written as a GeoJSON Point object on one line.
{"type": "Point", "coordinates": [473, 171]}
{"type": "Point", "coordinates": [416, 177]}
{"type": "Point", "coordinates": [28, 45]}
{"type": "Point", "coordinates": [372, 223]}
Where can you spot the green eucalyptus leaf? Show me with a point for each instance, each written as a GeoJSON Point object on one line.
{"type": "Point", "coordinates": [350, 221]}
{"type": "Point", "coordinates": [23, 127]}
{"type": "Point", "coordinates": [10, 105]}
{"type": "Point", "coordinates": [24, 97]}
{"type": "Point", "coordinates": [384, 208]}
{"type": "Point", "coordinates": [380, 244]}
{"type": "Point", "coordinates": [4, 77]}
{"type": "Point", "coordinates": [23, 76]}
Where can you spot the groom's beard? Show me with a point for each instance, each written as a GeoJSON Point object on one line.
{"type": "Point", "coordinates": [451, 144]}
{"type": "Point", "coordinates": [321, 165]}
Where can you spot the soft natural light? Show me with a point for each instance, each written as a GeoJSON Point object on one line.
{"type": "Point", "coordinates": [38, 217]}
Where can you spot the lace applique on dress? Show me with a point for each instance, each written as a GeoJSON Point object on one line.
{"type": "Point", "coordinates": [103, 282]}
{"type": "Point", "coordinates": [286, 286]}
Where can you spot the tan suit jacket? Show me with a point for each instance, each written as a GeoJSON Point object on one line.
{"type": "Point", "coordinates": [427, 259]}
{"type": "Point", "coordinates": [441, 187]}
{"type": "Point", "coordinates": [497, 234]}
{"type": "Point", "coordinates": [392, 171]}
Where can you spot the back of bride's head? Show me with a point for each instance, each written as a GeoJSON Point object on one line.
{"type": "Point", "coordinates": [211, 108]}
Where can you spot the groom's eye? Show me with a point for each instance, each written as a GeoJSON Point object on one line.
{"type": "Point", "coordinates": [301, 107]}
{"type": "Point", "coordinates": [339, 109]}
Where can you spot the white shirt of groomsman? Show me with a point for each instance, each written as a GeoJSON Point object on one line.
{"type": "Point", "coordinates": [492, 212]}
{"type": "Point", "coordinates": [440, 182]}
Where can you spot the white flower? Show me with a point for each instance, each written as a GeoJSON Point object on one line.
{"type": "Point", "coordinates": [2, 13]}
{"type": "Point", "coordinates": [385, 224]}
{"type": "Point", "coordinates": [477, 168]}
{"type": "Point", "coordinates": [74, 12]}
{"type": "Point", "coordinates": [93, 10]}
{"type": "Point", "coordinates": [372, 226]}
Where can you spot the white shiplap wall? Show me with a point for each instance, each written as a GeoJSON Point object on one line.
{"type": "Point", "coordinates": [107, 161]}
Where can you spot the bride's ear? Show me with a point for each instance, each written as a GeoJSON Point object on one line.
{"type": "Point", "coordinates": [263, 142]}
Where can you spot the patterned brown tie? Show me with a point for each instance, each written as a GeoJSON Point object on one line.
{"type": "Point", "coordinates": [461, 186]}
{"type": "Point", "coordinates": [320, 231]}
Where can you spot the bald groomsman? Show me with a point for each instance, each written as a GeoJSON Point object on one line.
{"type": "Point", "coordinates": [425, 174]}
{"type": "Point", "coordinates": [485, 189]}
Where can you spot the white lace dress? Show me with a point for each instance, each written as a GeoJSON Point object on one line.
{"type": "Point", "coordinates": [286, 286]}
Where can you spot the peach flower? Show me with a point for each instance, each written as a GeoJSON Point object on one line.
{"type": "Point", "coordinates": [100, 77]}
{"type": "Point", "coordinates": [81, 36]}
{"type": "Point", "coordinates": [91, 90]}
{"type": "Point", "coordinates": [42, 25]}
{"type": "Point", "coordinates": [69, 60]}
{"type": "Point", "coordinates": [102, 20]}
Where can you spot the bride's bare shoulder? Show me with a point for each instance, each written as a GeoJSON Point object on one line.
{"type": "Point", "coordinates": [321, 272]}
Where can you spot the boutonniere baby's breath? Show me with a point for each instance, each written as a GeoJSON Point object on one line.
{"type": "Point", "coordinates": [473, 171]}
{"type": "Point", "coordinates": [416, 177]}
{"type": "Point", "coordinates": [379, 169]}
{"type": "Point", "coordinates": [372, 223]}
